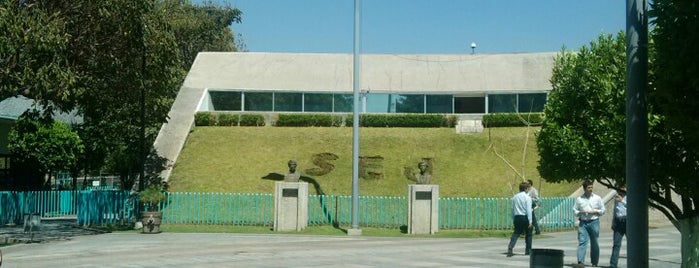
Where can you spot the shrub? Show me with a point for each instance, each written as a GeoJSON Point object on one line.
{"type": "Point", "coordinates": [512, 119]}
{"type": "Point", "coordinates": [254, 120]}
{"type": "Point", "coordinates": [227, 119]}
{"type": "Point", "coordinates": [204, 119]}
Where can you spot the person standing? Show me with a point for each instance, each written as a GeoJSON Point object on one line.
{"type": "Point", "coordinates": [618, 224]}
{"type": "Point", "coordinates": [588, 208]}
{"type": "Point", "coordinates": [534, 194]}
{"type": "Point", "coordinates": [522, 218]}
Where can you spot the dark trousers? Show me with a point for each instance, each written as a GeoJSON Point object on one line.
{"type": "Point", "coordinates": [535, 223]}
{"type": "Point", "coordinates": [619, 228]}
{"type": "Point", "coordinates": [521, 227]}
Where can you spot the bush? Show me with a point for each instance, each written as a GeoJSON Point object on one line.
{"type": "Point", "coordinates": [309, 120]}
{"type": "Point", "coordinates": [227, 119]}
{"type": "Point", "coordinates": [254, 120]}
{"type": "Point", "coordinates": [403, 120]}
{"type": "Point", "coordinates": [512, 119]}
{"type": "Point", "coordinates": [204, 119]}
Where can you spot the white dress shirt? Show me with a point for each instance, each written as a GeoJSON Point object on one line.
{"type": "Point", "coordinates": [522, 205]}
{"type": "Point", "coordinates": [585, 204]}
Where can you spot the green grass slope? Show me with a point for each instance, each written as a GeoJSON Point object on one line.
{"type": "Point", "coordinates": [241, 159]}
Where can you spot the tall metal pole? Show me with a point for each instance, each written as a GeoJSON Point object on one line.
{"type": "Point", "coordinates": [355, 122]}
{"type": "Point", "coordinates": [637, 133]}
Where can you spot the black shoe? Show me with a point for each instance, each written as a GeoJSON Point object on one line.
{"type": "Point", "coordinates": [509, 253]}
{"type": "Point", "coordinates": [538, 233]}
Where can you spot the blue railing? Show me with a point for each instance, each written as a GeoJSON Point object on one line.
{"type": "Point", "coordinates": [111, 207]}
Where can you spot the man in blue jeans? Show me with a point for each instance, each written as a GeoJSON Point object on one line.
{"type": "Point", "coordinates": [588, 208]}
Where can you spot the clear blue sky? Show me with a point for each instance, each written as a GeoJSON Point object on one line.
{"type": "Point", "coordinates": [426, 26]}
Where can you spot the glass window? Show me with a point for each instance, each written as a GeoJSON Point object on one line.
{"type": "Point", "coordinates": [409, 103]}
{"type": "Point", "coordinates": [502, 103]}
{"type": "Point", "coordinates": [288, 102]}
{"type": "Point", "coordinates": [343, 102]}
{"type": "Point", "coordinates": [258, 101]}
{"type": "Point", "coordinates": [315, 102]}
{"type": "Point", "coordinates": [379, 103]}
{"type": "Point", "coordinates": [439, 104]}
{"type": "Point", "coordinates": [531, 102]}
{"type": "Point", "coordinates": [226, 100]}
{"type": "Point", "coordinates": [469, 105]}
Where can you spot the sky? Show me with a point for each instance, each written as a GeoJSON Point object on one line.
{"type": "Point", "coordinates": [425, 26]}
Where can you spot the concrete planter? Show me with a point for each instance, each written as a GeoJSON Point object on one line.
{"type": "Point", "coordinates": [151, 221]}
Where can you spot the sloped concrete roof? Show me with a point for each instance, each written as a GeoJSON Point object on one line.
{"type": "Point", "coordinates": [421, 73]}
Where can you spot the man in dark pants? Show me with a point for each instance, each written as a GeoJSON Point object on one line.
{"type": "Point", "coordinates": [618, 225]}
{"type": "Point", "coordinates": [522, 217]}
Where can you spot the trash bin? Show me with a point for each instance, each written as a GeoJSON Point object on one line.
{"type": "Point", "coordinates": [546, 258]}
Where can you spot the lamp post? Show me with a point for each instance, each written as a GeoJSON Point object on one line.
{"type": "Point", "coordinates": [473, 48]}
{"type": "Point", "coordinates": [355, 124]}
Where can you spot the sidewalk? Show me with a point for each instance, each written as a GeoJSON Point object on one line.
{"type": "Point", "coordinates": [283, 250]}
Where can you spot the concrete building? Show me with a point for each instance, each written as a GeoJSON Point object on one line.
{"type": "Point", "coordinates": [466, 85]}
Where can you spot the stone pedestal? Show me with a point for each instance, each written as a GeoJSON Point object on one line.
{"type": "Point", "coordinates": [423, 208]}
{"type": "Point", "coordinates": [290, 206]}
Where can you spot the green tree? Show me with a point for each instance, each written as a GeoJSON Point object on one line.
{"type": "Point", "coordinates": [676, 91]}
{"type": "Point", "coordinates": [583, 135]}
{"type": "Point", "coordinates": [200, 28]}
{"type": "Point", "coordinates": [45, 146]}
{"type": "Point", "coordinates": [33, 45]}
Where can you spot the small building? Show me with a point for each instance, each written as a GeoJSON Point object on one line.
{"type": "Point", "coordinates": [465, 85]}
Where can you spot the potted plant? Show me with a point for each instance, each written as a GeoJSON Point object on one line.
{"type": "Point", "coordinates": [151, 198]}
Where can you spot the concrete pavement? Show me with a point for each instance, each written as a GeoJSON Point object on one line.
{"type": "Point", "coordinates": [284, 250]}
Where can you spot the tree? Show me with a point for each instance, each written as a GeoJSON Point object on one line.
{"type": "Point", "coordinates": [33, 45]}
{"type": "Point", "coordinates": [43, 147]}
{"type": "Point", "coordinates": [583, 135]}
{"type": "Point", "coordinates": [676, 91]}
{"type": "Point", "coordinates": [200, 28]}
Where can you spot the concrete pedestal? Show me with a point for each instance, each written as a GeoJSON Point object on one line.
{"type": "Point", "coordinates": [290, 206]}
{"type": "Point", "coordinates": [423, 208]}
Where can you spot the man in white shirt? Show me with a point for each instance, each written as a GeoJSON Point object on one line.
{"type": "Point", "coordinates": [588, 208]}
{"type": "Point", "coordinates": [522, 217]}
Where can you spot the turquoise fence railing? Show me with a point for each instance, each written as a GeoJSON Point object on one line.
{"type": "Point", "coordinates": [218, 208]}
{"type": "Point", "coordinates": [13, 205]}
{"type": "Point", "coordinates": [111, 207]}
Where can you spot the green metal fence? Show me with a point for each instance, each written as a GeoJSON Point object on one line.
{"type": "Point", "coordinates": [110, 207]}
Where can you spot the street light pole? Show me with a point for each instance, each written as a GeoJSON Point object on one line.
{"type": "Point", "coordinates": [355, 123]}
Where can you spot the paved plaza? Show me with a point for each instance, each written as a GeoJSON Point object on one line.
{"type": "Point", "coordinates": [285, 250]}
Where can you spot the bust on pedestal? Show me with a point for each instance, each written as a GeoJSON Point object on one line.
{"type": "Point", "coordinates": [291, 201]}
{"type": "Point", "coordinates": [423, 202]}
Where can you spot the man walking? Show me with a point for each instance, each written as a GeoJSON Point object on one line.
{"type": "Point", "coordinates": [588, 208]}
{"type": "Point", "coordinates": [522, 218]}
{"type": "Point", "coordinates": [534, 194]}
{"type": "Point", "coordinates": [618, 225]}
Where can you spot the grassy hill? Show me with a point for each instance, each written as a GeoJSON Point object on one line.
{"type": "Point", "coordinates": [243, 159]}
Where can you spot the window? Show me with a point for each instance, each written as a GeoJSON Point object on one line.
{"type": "Point", "coordinates": [314, 102]}
{"type": "Point", "coordinates": [469, 105]}
{"type": "Point", "coordinates": [257, 101]}
{"type": "Point", "coordinates": [226, 100]}
{"type": "Point", "coordinates": [409, 103]}
{"type": "Point", "coordinates": [343, 102]}
{"type": "Point", "coordinates": [438, 104]}
{"type": "Point", "coordinates": [533, 102]}
{"type": "Point", "coordinates": [288, 102]}
{"type": "Point", "coordinates": [379, 103]}
{"type": "Point", "coordinates": [502, 103]}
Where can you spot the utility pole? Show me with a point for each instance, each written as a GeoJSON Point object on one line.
{"type": "Point", "coordinates": [637, 133]}
{"type": "Point", "coordinates": [355, 123]}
